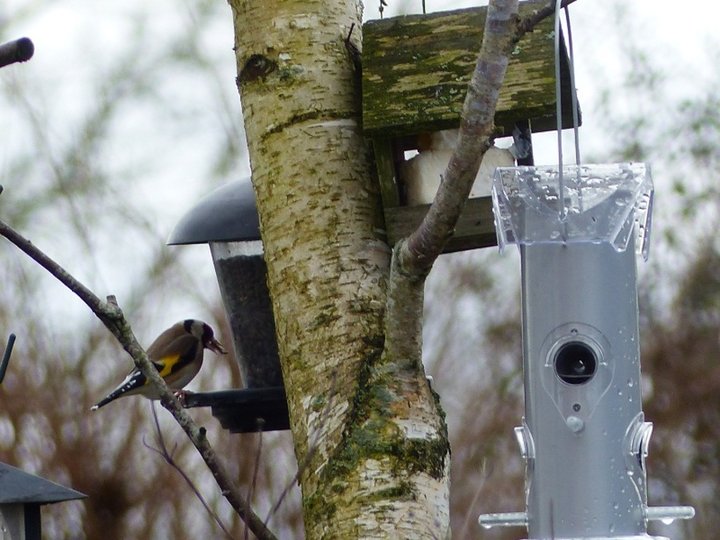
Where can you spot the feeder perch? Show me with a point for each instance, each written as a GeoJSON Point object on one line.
{"type": "Point", "coordinates": [416, 69]}
{"type": "Point", "coordinates": [227, 220]}
{"type": "Point", "coordinates": [21, 495]}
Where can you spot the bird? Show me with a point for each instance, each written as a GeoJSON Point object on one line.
{"type": "Point", "coordinates": [423, 173]}
{"type": "Point", "coordinates": [177, 354]}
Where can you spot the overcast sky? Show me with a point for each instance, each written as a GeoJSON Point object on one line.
{"type": "Point", "coordinates": [77, 41]}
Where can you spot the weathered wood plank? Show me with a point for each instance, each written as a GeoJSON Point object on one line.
{"type": "Point", "coordinates": [385, 164]}
{"type": "Point", "coordinates": [416, 69]}
{"type": "Point", "coordinates": [475, 228]}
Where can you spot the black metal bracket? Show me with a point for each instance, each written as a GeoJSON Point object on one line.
{"type": "Point", "coordinates": [246, 411]}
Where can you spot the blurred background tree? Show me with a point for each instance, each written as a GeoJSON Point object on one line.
{"type": "Point", "coordinates": [128, 113]}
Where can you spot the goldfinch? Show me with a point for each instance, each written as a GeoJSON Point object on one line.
{"type": "Point", "coordinates": [177, 354]}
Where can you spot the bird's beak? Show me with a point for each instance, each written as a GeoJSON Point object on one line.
{"type": "Point", "coordinates": [215, 346]}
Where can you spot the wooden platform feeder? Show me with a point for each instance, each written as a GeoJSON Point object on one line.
{"type": "Point", "coordinates": [415, 74]}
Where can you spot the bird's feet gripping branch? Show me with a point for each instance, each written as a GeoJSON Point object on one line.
{"type": "Point", "coordinates": [177, 354]}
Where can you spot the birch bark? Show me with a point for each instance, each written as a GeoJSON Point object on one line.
{"type": "Point", "coordinates": [368, 432]}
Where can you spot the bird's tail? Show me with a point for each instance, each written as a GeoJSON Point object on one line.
{"type": "Point", "coordinates": [132, 384]}
{"type": "Point", "coordinates": [112, 396]}
{"type": "Point", "coordinates": [106, 400]}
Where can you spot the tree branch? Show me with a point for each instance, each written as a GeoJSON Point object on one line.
{"type": "Point", "coordinates": [167, 457]}
{"type": "Point", "coordinates": [527, 24]}
{"type": "Point", "coordinates": [503, 29]}
{"type": "Point", "coordinates": [419, 251]}
{"type": "Point", "coordinates": [112, 317]}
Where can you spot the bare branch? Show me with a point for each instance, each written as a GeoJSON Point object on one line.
{"type": "Point", "coordinates": [167, 457]}
{"type": "Point", "coordinates": [527, 24]}
{"type": "Point", "coordinates": [503, 29]}
{"type": "Point", "coordinates": [256, 467]}
{"type": "Point", "coordinates": [419, 251]}
{"type": "Point", "coordinates": [112, 317]}
{"type": "Point", "coordinates": [20, 50]}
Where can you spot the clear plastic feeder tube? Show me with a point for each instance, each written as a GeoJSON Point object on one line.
{"type": "Point", "coordinates": [249, 310]}
{"type": "Point", "coordinates": [602, 204]}
{"type": "Point", "coordinates": [584, 437]}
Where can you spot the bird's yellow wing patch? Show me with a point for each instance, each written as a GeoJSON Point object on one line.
{"type": "Point", "coordinates": [168, 364]}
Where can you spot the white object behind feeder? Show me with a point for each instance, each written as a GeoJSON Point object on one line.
{"type": "Point", "coordinates": [423, 173]}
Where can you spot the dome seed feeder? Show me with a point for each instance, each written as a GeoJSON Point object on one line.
{"type": "Point", "coordinates": [227, 220]}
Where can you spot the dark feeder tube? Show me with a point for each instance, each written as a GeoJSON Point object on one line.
{"type": "Point", "coordinates": [249, 311]}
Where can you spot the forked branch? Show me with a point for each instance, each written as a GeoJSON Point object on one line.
{"type": "Point", "coordinates": [503, 29]}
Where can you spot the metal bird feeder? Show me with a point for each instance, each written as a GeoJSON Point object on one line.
{"type": "Point", "coordinates": [584, 437]}
{"type": "Point", "coordinates": [416, 69]}
{"type": "Point", "coordinates": [21, 496]}
{"type": "Point", "coordinates": [227, 220]}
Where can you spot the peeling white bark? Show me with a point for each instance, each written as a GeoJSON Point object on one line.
{"type": "Point", "coordinates": [321, 224]}
{"type": "Point", "coordinates": [349, 327]}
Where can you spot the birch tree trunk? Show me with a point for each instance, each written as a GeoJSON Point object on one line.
{"type": "Point", "coordinates": [368, 432]}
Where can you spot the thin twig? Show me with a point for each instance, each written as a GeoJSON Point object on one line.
{"type": "Point", "coordinates": [112, 317]}
{"type": "Point", "coordinates": [167, 456]}
{"type": "Point", "coordinates": [6, 356]}
{"type": "Point", "coordinates": [528, 23]}
{"type": "Point", "coordinates": [256, 467]}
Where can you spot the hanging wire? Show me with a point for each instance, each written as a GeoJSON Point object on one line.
{"type": "Point", "coordinates": [573, 98]}
{"type": "Point", "coordinates": [573, 88]}
{"type": "Point", "coordinates": [558, 111]}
